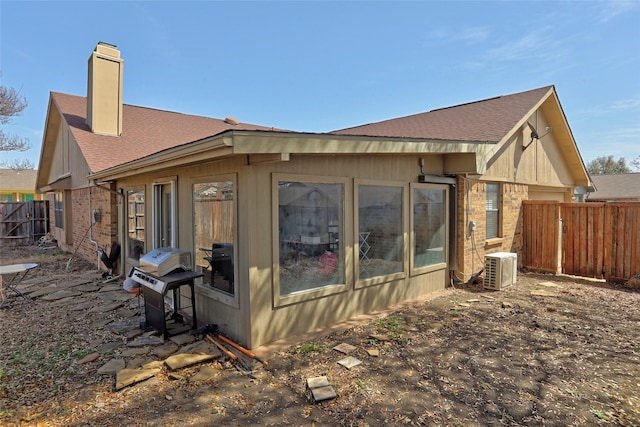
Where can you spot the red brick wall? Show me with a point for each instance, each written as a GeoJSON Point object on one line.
{"type": "Point", "coordinates": [103, 231]}
{"type": "Point", "coordinates": [472, 247]}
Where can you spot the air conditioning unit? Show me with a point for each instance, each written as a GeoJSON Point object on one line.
{"type": "Point", "coordinates": [500, 270]}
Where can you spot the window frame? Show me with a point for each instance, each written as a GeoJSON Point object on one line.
{"type": "Point", "coordinates": [416, 271]}
{"type": "Point", "coordinates": [216, 294]}
{"type": "Point", "coordinates": [144, 216]}
{"type": "Point", "coordinates": [497, 211]}
{"type": "Point", "coordinates": [376, 280]}
{"type": "Point", "coordinates": [58, 208]}
{"type": "Point", "coordinates": [280, 300]}
{"type": "Point", "coordinates": [156, 202]}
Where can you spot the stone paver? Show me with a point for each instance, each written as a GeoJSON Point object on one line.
{"type": "Point", "coordinates": [112, 366]}
{"type": "Point", "coordinates": [127, 377]}
{"type": "Point", "coordinates": [60, 295]}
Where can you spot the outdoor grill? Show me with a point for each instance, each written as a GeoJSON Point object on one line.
{"type": "Point", "coordinates": [160, 271]}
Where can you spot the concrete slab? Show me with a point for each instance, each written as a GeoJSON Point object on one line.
{"type": "Point", "coordinates": [349, 362]}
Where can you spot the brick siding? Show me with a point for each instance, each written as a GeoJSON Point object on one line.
{"type": "Point", "coordinates": [472, 247]}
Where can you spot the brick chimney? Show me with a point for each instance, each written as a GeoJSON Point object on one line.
{"type": "Point", "coordinates": [104, 90]}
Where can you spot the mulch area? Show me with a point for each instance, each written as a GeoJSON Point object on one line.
{"type": "Point", "coordinates": [550, 350]}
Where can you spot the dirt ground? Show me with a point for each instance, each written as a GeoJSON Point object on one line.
{"type": "Point", "coordinates": [549, 350]}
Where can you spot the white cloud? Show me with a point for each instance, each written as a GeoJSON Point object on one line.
{"type": "Point", "coordinates": [630, 104]}
{"type": "Point", "coordinates": [612, 8]}
{"type": "Point", "coordinates": [469, 35]}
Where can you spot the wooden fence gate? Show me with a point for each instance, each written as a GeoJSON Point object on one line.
{"type": "Point", "coordinates": [23, 223]}
{"type": "Point", "coordinates": [600, 240]}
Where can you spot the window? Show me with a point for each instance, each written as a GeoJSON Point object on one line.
{"type": "Point", "coordinates": [380, 231]}
{"type": "Point", "coordinates": [214, 232]}
{"type": "Point", "coordinates": [493, 210]}
{"type": "Point", "coordinates": [429, 226]}
{"type": "Point", "coordinates": [164, 214]}
{"type": "Point", "coordinates": [58, 207]}
{"type": "Point", "coordinates": [135, 224]}
{"type": "Point", "coordinates": [309, 226]}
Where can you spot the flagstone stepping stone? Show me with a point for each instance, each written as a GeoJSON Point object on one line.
{"type": "Point", "coordinates": [549, 284]}
{"type": "Point", "coordinates": [125, 325]}
{"type": "Point", "coordinates": [106, 307]}
{"type": "Point", "coordinates": [127, 377]}
{"type": "Point", "coordinates": [82, 306]}
{"type": "Point", "coordinates": [109, 288]}
{"type": "Point", "coordinates": [43, 291]}
{"type": "Point", "coordinates": [201, 347]}
{"type": "Point", "coordinates": [543, 293]}
{"type": "Point", "coordinates": [54, 296]}
{"type": "Point", "coordinates": [87, 287]}
{"type": "Point", "coordinates": [182, 339]}
{"type": "Point", "coordinates": [374, 352]}
{"type": "Point", "coordinates": [100, 323]}
{"type": "Point", "coordinates": [112, 366]}
{"type": "Point", "coordinates": [135, 351]}
{"type": "Point", "coordinates": [379, 337]}
{"type": "Point", "coordinates": [114, 296]}
{"type": "Point", "coordinates": [344, 348]}
{"type": "Point", "coordinates": [182, 360]}
{"type": "Point", "coordinates": [205, 373]}
{"type": "Point", "coordinates": [65, 302]}
{"type": "Point", "coordinates": [75, 282]}
{"type": "Point", "coordinates": [108, 347]}
{"type": "Point", "coordinates": [165, 350]}
{"type": "Point", "coordinates": [145, 340]}
{"type": "Point", "coordinates": [136, 362]}
{"type": "Point", "coordinates": [89, 358]}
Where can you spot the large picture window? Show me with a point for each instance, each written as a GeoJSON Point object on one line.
{"type": "Point", "coordinates": [380, 231]}
{"type": "Point", "coordinates": [214, 232]}
{"type": "Point", "coordinates": [136, 224]}
{"type": "Point", "coordinates": [310, 226]}
{"type": "Point", "coordinates": [429, 226]}
{"type": "Point", "coordinates": [493, 210]}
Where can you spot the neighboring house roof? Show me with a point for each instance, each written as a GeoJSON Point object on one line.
{"type": "Point", "coordinates": [488, 120]}
{"type": "Point", "coordinates": [625, 186]}
{"type": "Point", "coordinates": [145, 131]}
{"type": "Point", "coordinates": [18, 181]}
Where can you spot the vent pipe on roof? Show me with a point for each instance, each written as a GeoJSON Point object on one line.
{"type": "Point", "coordinates": [104, 90]}
{"type": "Point", "coordinates": [232, 121]}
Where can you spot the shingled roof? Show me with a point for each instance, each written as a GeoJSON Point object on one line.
{"type": "Point", "coordinates": [145, 131]}
{"type": "Point", "coordinates": [488, 120]}
{"type": "Point", "coordinates": [624, 186]}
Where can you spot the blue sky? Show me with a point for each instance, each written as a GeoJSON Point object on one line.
{"type": "Point", "coordinates": [321, 66]}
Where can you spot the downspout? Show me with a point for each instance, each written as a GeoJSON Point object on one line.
{"type": "Point", "coordinates": [92, 220]}
{"type": "Point", "coordinates": [92, 215]}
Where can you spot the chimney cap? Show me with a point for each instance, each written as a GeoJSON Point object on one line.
{"type": "Point", "coordinates": [107, 49]}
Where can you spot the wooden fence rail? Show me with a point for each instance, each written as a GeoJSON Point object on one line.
{"type": "Point", "coordinates": [600, 240]}
{"type": "Point", "coordinates": [23, 223]}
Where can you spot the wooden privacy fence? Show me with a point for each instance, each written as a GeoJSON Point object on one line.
{"type": "Point", "coordinates": [600, 240]}
{"type": "Point", "coordinates": [23, 223]}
